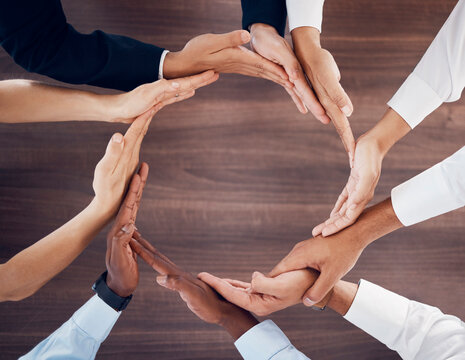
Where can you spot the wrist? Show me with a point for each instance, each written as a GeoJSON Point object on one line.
{"type": "Point", "coordinates": [261, 26]}
{"type": "Point", "coordinates": [113, 286]}
{"type": "Point", "coordinates": [390, 129]}
{"type": "Point", "coordinates": [238, 322]}
{"type": "Point", "coordinates": [100, 210]}
{"type": "Point", "coordinates": [306, 37]}
{"type": "Point", "coordinates": [174, 66]}
{"type": "Point", "coordinates": [342, 297]}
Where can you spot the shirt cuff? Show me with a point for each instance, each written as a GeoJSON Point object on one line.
{"type": "Point", "coordinates": [262, 341]}
{"type": "Point", "coordinates": [379, 312]}
{"type": "Point", "coordinates": [415, 100]}
{"type": "Point", "coordinates": [305, 13]}
{"type": "Point", "coordinates": [96, 318]}
{"type": "Point", "coordinates": [162, 61]}
{"type": "Point", "coordinates": [436, 191]}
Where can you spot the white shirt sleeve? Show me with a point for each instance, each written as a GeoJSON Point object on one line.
{"type": "Point", "coordinates": [80, 337]}
{"type": "Point", "coordinates": [436, 191]}
{"type": "Point", "coordinates": [415, 330]}
{"type": "Point", "coordinates": [162, 62]}
{"type": "Point", "coordinates": [266, 341]}
{"type": "Point", "coordinates": [439, 76]}
{"type": "Point", "coordinates": [305, 13]}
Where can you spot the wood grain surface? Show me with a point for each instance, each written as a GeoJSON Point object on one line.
{"type": "Point", "coordinates": [237, 177]}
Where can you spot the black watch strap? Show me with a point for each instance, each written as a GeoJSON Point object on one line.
{"type": "Point", "coordinates": [106, 294]}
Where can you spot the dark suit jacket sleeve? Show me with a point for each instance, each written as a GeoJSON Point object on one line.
{"type": "Point", "coordinates": [36, 34]}
{"type": "Point", "coordinates": [271, 12]}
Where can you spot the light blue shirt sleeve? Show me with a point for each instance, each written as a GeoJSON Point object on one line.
{"type": "Point", "coordinates": [80, 337]}
{"type": "Point", "coordinates": [266, 341]}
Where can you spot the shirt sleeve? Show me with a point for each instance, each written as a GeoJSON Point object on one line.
{"type": "Point", "coordinates": [40, 40]}
{"type": "Point", "coordinates": [415, 330]}
{"type": "Point", "coordinates": [266, 341]}
{"type": "Point", "coordinates": [305, 13]}
{"type": "Point", "coordinates": [436, 191]}
{"type": "Point", "coordinates": [270, 12]}
{"type": "Point", "coordinates": [80, 337]}
{"type": "Point", "coordinates": [439, 76]}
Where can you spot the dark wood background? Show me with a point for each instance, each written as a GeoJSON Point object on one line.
{"type": "Point", "coordinates": [237, 177]}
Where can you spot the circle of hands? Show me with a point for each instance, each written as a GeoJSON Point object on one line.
{"type": "Point", "coordinates": [312, 268]}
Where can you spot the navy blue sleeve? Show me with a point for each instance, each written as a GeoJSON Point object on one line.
{"type": "Point", "coordinates": [36, 34]}
{"type": "Point", "coordinates": [271, 12]}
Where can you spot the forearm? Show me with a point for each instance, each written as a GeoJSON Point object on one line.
{"type": "Point", "coordinates": [238, 323]}
{"type": "Point", "coordinates": [33, 267]}
{"type": "Point", "coordinates": [31, 101]}
{"type": "Point", "coordinates": [388, 131]}
{"type": "Point", "coordinates": [375, 222]}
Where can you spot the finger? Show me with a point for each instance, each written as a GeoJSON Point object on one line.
{"type": "Point", "coordinates": [342, 125]}
{"type": "Point", "coordinates": [189, 82]}
{"type": "Point", "coordinates": [155, 261]}
{"type": "Point", "coordinates": [340, 201]}
{"type": "Point", "coordinates": [297, 100]}
{"type": "Point", "coordinates": [143, 174]}
{"type": "Point", "coordinates": [229, 292]}
{"type": "Point", "coordinates": [266, 285]}
{"type": "Point", "coordinates": [182, 96]}
{"type": "Point", "coordinates": [318, 229]}
{"type": "Point", "coordinates": [323, 284]}
{"type": "Point", "coordinates": [295, 260]}
{"type": "Point", "coordinates": [340, 223]}
{"type": "Point", "coordinates": [126, 209]}
{"type": "Point", "coordinates": [238, 283]}
{"type": "Point", "coordinates": [145, 243]}
{"type": "Point", "coordinates": [262, 66]}
{"type": "Point", "coordinates": [338, 95]}
{"type": "Point", "coordinates": [310, 100]}
{"type": "Point", "coordinates": [120, 240]}
{"type": "Point", "coordinates": [235, 38]}
{"type": "Point", "coordinates": [112, 153]}
{"type": "Point", "coordinates": [178, 283]}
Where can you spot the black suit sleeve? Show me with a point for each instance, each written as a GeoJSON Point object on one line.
{"type": "Point", "coordinates": [36, 34]}
{"type": "Point", "coordinates": [271, 12]}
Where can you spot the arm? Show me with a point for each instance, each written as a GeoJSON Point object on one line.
{"type": "Point", "coordinates": [31, 101]}
{"type": "Point", "coordinates": [253, 340]}
{"type": "Point", "coordinates": [413, 329]}
{"type": "Point", "coordinates": [81, 336]}
{"type": "Point", "coordinates": [439, 77]}
{"type": "Point", "coordinates": [30, 269]}
{"type": "Point", "coordinates": [41, 41]}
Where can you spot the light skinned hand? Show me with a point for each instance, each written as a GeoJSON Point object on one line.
{"type": "Point", "coordinates": [222, 53]}
{"type": "Point", "coordinates": [323, 73]}
{"type": "Point", "coordinates": [358, 192]}
{"type": "Point", "coordinates": [200, 298]}
{"type": "Point", "coordinates": [126, 107]}
{"type": "Point", "coordinates": [268, 43]}
{"type": "Point", "coordinates": [264, 295]}
{"type": "Point", "coordinates": [333, 257]}
{"type": "Point", "coordinates": [121, 261]}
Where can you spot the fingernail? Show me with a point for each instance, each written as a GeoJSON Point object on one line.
{"type": "Point", "coordinates": [255, 274]}
{"type": "Point", "coordinates": [346, 110]}
{"type": "Point", "coordinates": [128, 228]}
{"type": "Point", "coordinates": [152, 112]}
{"type": "Point", "coordinates": [161, 280]}
{"type": "Point", "coordinates": [245, 36]}
{"type": "Point", "coordinates": [175, 84]}
{"type": "Point", "coordinates": [308, 302]}
{"type": "Point", "coordinates": [117, 138]}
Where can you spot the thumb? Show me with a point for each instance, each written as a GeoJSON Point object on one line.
{"type": "Point", "coordinates": [320, 288]}
{"type": "Point", "coordinates": [231, 39]}
{"type": "Point", "coordinates": [340, 98]}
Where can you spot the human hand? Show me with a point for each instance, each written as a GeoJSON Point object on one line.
{"type": "Point", "coordinates": [222, 53]}
{"type": "Point", "coordinates": [266, 41]}
{"type": "Point", "coordinates": [119, 163]}
{"type": "Point", "coordinates": [323, 73]}
{"type": "Point", "coordinates": [265, 295]}
{"type": "Point", "coordinates": [200, 298]}
{"type": "Point", "coordinates": [121, 261]}
{"type": "Point", "coordinates": [127, 106]}
{"type": "Point", "coordinates": [360, 188]}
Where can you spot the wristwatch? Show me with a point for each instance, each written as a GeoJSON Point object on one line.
{"type": "Point", "coordinates": [106, 294]}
